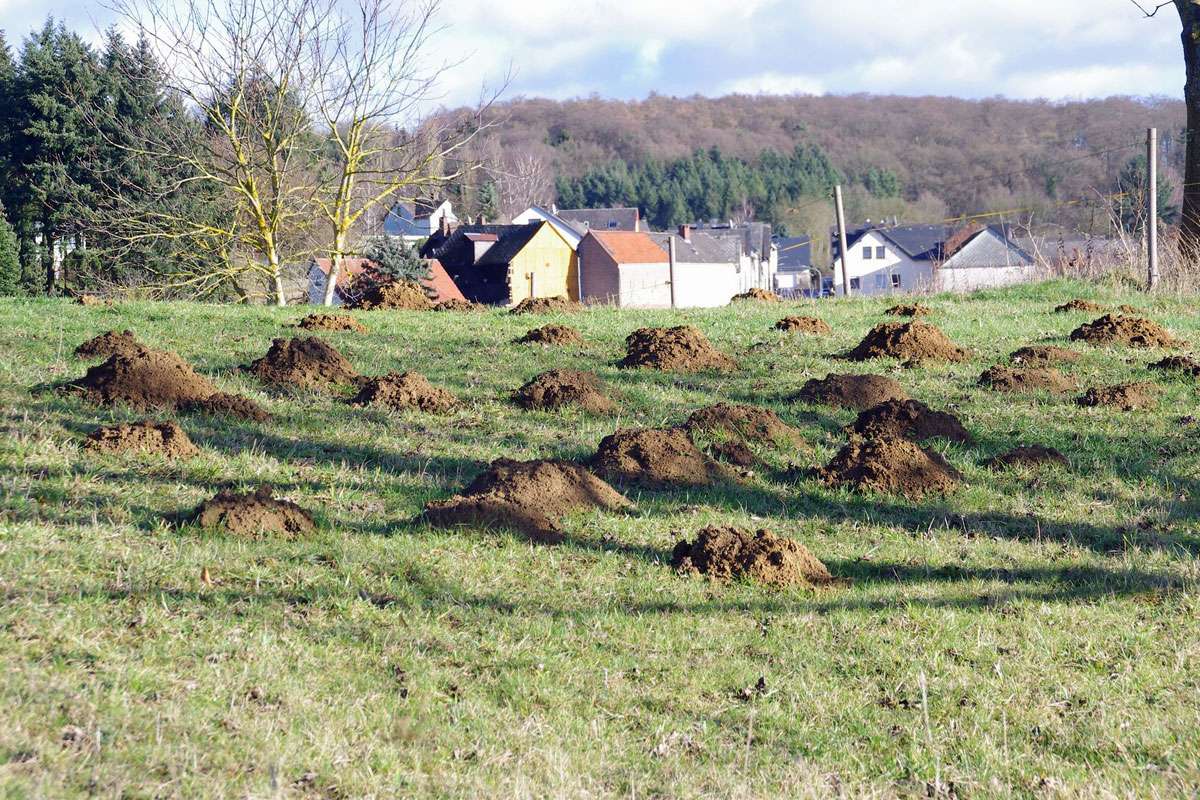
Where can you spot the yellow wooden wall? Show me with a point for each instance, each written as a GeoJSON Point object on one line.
{"type": "Point", "coordinates": [550, 262]}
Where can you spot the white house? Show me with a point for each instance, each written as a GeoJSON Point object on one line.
{"type": "Point", "coordinates": [419, 221]}
{"type": "Point", "coordinates": [986, 258]}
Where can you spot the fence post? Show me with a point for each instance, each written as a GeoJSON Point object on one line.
{"type": "Point", "coordinates": [841, 223]}
{"type": "Point", "coordinates": [1152, 206]}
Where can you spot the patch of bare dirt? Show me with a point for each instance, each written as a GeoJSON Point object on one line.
{"type": "Point", "coordinates": [560, 388]}
{"type": "Point", "coordinates": [93, 301]}
{"type": "Point", "coordinates": [331, 322]}
{"type": "Point", "coordinates": [397, 295]}
{"type": "Point", "coordinates": [912, 342]}
{"type": "Point", "coordinates": [1081, 306]}
{"type": "Point", "coordinates": [1182, 364]}
{"type": "Point", "coordinates": [458, 304]}
{"type": "Point", "coordinates": [1125, 396]}
{"type": "Point", "coordinates": [1033, 455]}
{"type": "Point", "coordinates": [657, 458]}
{"type": "Point", "coordinates": [735, 430]}
{"type": "Point", "coordinates": [223, 404]}
{"type": "Point", "coordinates": [679, 349]}
{"type": "Point", "coordinates": [858, 392]}
{"type": "Point", "coordinates": [552, 335]}
{"type": "Point", "coordinates": [304, 362]}
{"type": "Point", "coordinates": [1130, 331]}
{"type": "Point", "coordinates": [909, 419]}
{"type": "Point", "coordinates": [165, 439]}
{"type": "Point", "coordinates": [909, 310]}
{"type": "Point", "coordinates": [1044, 355]}
{"type": "Point", "coordinates": [809, 325]}
{"type": "Point", "coordinates": [756, 296]}
{"type": "Point", "coordinates": [890, 466]}
{"type": "Point", "coordinates": [546, 305]}
{"type": "Point", "coordinates": [253, 514]}
{"type": "Point", "coordinates": [726, 553]}
{"type": "Point", "coordinates": [108, 344]}
{"type": "Point", "coordinates": [1033, 379]}
{"type": "Point", "coordinates": [529, 496]}
{"type": "Point", "coordinates": [405, 390]}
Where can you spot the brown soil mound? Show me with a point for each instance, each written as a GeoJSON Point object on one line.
{"type": "Point", "coordinates": [817, 327]}
{"type": "Point", "coordinates": [858, 392]}
{"type": "Point", "coordinates": [405, 390]}
{"type": "Point", "coordinates": [559, 388]}
{"type": "Point", "coordinates": [1130, 331]}
{"type": "Point", "coordinates": [1007, 379]}
{"type": "Point", "coordinates": [909, 419]}
{"type": "Point", "coordinates": [303, 362]}
{"type": "Point", "coordinates": [530, 496]}
{"type": "Point", "coordinates": [756, 295]}
{"type": "Point", "coordinates": [109, 343]}
{"type": "Point", "coordinates": [1185, 364]}
{"type": "Point", "coordinates": [552, 334]}
{"type": "Point", "coordinates": [909, 310]}
{"type": "Point", "coordinates": [729, 554]}
{"type": "Point", "coordinates": [228, 405]}
{"type": "Point", "coordinates": [1125, 396]}
{"type": "Point", "coordinates": [737, 427]}
{"type": "Point", "coordinates": [914, 341]}
{"type": "Point", "coordinates": [92, 300]}
{"type": "Point", "coordinates": [164, 439]}
{"type": "Point", "coordinates": [253, 514]}
{"type": "Point", "coordinates": [545, 305]}
{"type": "Point", "coordinates": [1042, 354]}
{"type": "Point", "coordinates": [1079, 305]}
{"type": "Point", "coordinates": [891, 466]}
{"type": "Point", "coordinates": [656, 457]}
{"type": "Point", "coordinates": [1125, 308]}
{"type": "Point", "coordinates": [331, 322]}
{"type": "Point", "coordinates": [398, 295]}
{"type": "Point", "coordinates": [679, 349]}
{"type": "Point", "coordinates": [1033, 455]}
{"type": "Point", "coordinates": [455, 304]}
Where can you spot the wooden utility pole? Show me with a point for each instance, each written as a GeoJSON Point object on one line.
{"type": "Point", "coordinates": [1152, 206]}
{"type": "Point", "coordinates": [671, 265]}
{"type": "Point", "coordinates": [841, 224]}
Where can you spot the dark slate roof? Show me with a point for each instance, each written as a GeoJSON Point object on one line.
{"type": "Point", "coordinates": [485, 281]}
{"type": "Point", "coordinates": [456, 251]}
{"type": "Point", "coordinates": [702, 248]}
{"type": "Point", "coordinates": [400, 222]}
{"type": "Point", "coordinates": [511, 242]}
{"type": "Point", "coordinates": [919, 242]}
{"type": "Point", "coordinates": [985, 247]}
{"type": "Point", "coordinates": [795, 253]}
{"type": "Point", "coordinates": [601, 219]}
{"type": "Point", "coordinates": [754, 236]}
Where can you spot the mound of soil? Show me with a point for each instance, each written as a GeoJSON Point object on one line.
{"type": "Point", "coordinates": [656, 457]}
{"type": "Point", "coordinates": [1043, 354]}
{"type": "Point", "coordinates": [1078, 305]}
{"type": "Point", "coordinates": [909, 310]}
{"type": "Point", "coordinates": [331, 322]}
{"type": "Point", "coordinates": [109, 343]}
{"type": "Point", "coordinates": [222, 404]}
{"type": "Point", "coordinates": [397, 295]}
{"type": "Point", "coordinates": [552, 335]}
{"type": "Point", "coordinates": [1185, 364]}
{"type": "Point", "coordinates": [735, 428]}
{"type": "Point", "coordinates": [92, 301]}
{"type": "Point", "coordinates": [757, 296]}
{"type": "Point", "coordinates": [164, 439]}
{"type": "Point", "coordinates": [1033, 455]}
{"type": "Point", "coordinates": [457, 304]}
{"type": "Point", "coordinates": [857, 392]}
{"type": "Point", "coordinates": [304, 362]}
{"type": "Point", "coordinates": [546, 305]}
{"type": "Point", "coordinates": [908, 419]}
{"type": "Point", "coordinates": [891, 466]}
{"type": "Point", "coordinates": [812, 325]}
{"type": "Point", "coordinates": [1130, 331]}
{"type": "Point", "coordinates": [1008, 379]}
{"type": "Point", "coordinates": [726, 553]}
{"type": "Point", "coordinates": [679, 349]}
{"type": "Point", "coordinates": [1125, 396]}
{"type": "Point", "coordinates": [560, 388]}
{"type": "Point", "coordinates": [529, 496]}
{"type": "Point", "coordinates": [405, 390]}
{"type": "Point", "coordinates": [914, 341]}
{"type": "Point", "coordinates": [253, 514]}
{"type": "Point", "coordinates": [1125, 308]}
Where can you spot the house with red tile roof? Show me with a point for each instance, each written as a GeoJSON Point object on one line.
{"type": "Point", "coordinates": [624, 268]}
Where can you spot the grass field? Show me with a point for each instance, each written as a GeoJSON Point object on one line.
{"type": "Point", "coordinates": [1035, 634]}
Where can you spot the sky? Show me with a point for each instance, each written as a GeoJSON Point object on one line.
{"type": "Point", "coordinates": [1053, 49]}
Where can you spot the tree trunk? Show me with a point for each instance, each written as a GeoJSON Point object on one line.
{"type": "Point", "coordinates": [49, 258]}
{"type": "Point", "coordinates": [1189, 13]}
{"type": "Point", "coordinates": [335, 267]}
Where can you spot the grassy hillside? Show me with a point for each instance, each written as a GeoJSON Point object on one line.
{"type": "Point", "coordinates": [1033, 634]}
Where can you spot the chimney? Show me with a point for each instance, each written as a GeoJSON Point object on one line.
{"type": "Point", "coordinates": [445, 226]}
{"type": "Point", "coordinates": [685, 232]}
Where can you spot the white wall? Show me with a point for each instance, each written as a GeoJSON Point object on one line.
{"type": "Point", "coordinates": [875, 275]}
{"type": "Point", "coordinates": [707, 285]}
{"type": "Point", "coordinates": [968, 279]}
{"type": "Point", "coordinates": [644, 286]}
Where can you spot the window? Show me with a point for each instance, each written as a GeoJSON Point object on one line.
{"type": "Point", "coordinates": [880, 280]}
{"type": "Point", "coordinates": [612, 223]}
{"type": "Point", "coordinates": [895, 281]}
{"type": "Point", "coordinates": [867, 253]}
{"type": "Point", "coordinates": [881, 252]}
{"type": "Point", "coordinates": [855, 283]}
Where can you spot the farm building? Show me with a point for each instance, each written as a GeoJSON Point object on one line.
{"type": "Point", "coordinates": [624, 268]}
{"type": "Point", "coordinates": [505, 264]}
{"type": "Point", "coordinates": [439, 286]}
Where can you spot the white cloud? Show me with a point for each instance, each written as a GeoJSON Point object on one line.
{"type": "Point", "coordinates": [772, 83]}
{"type": "Point", "coordinates": [1093, 81]}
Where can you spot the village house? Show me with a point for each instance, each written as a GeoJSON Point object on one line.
{"type": "Point", "coordinates": [417, 222]}
{"type": "Point", "coordinates": [602, 219]}
{"type": "Point", "coordinates": [439, 285]}
{"type": "Point", "coordinates": [624, 268]}
{"type": "Point", "coordinates": [538, 213]}
{"type": "Point", "coordinates": [505, 264]}
{"type": "Point", "coordinates": [795, 275]}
